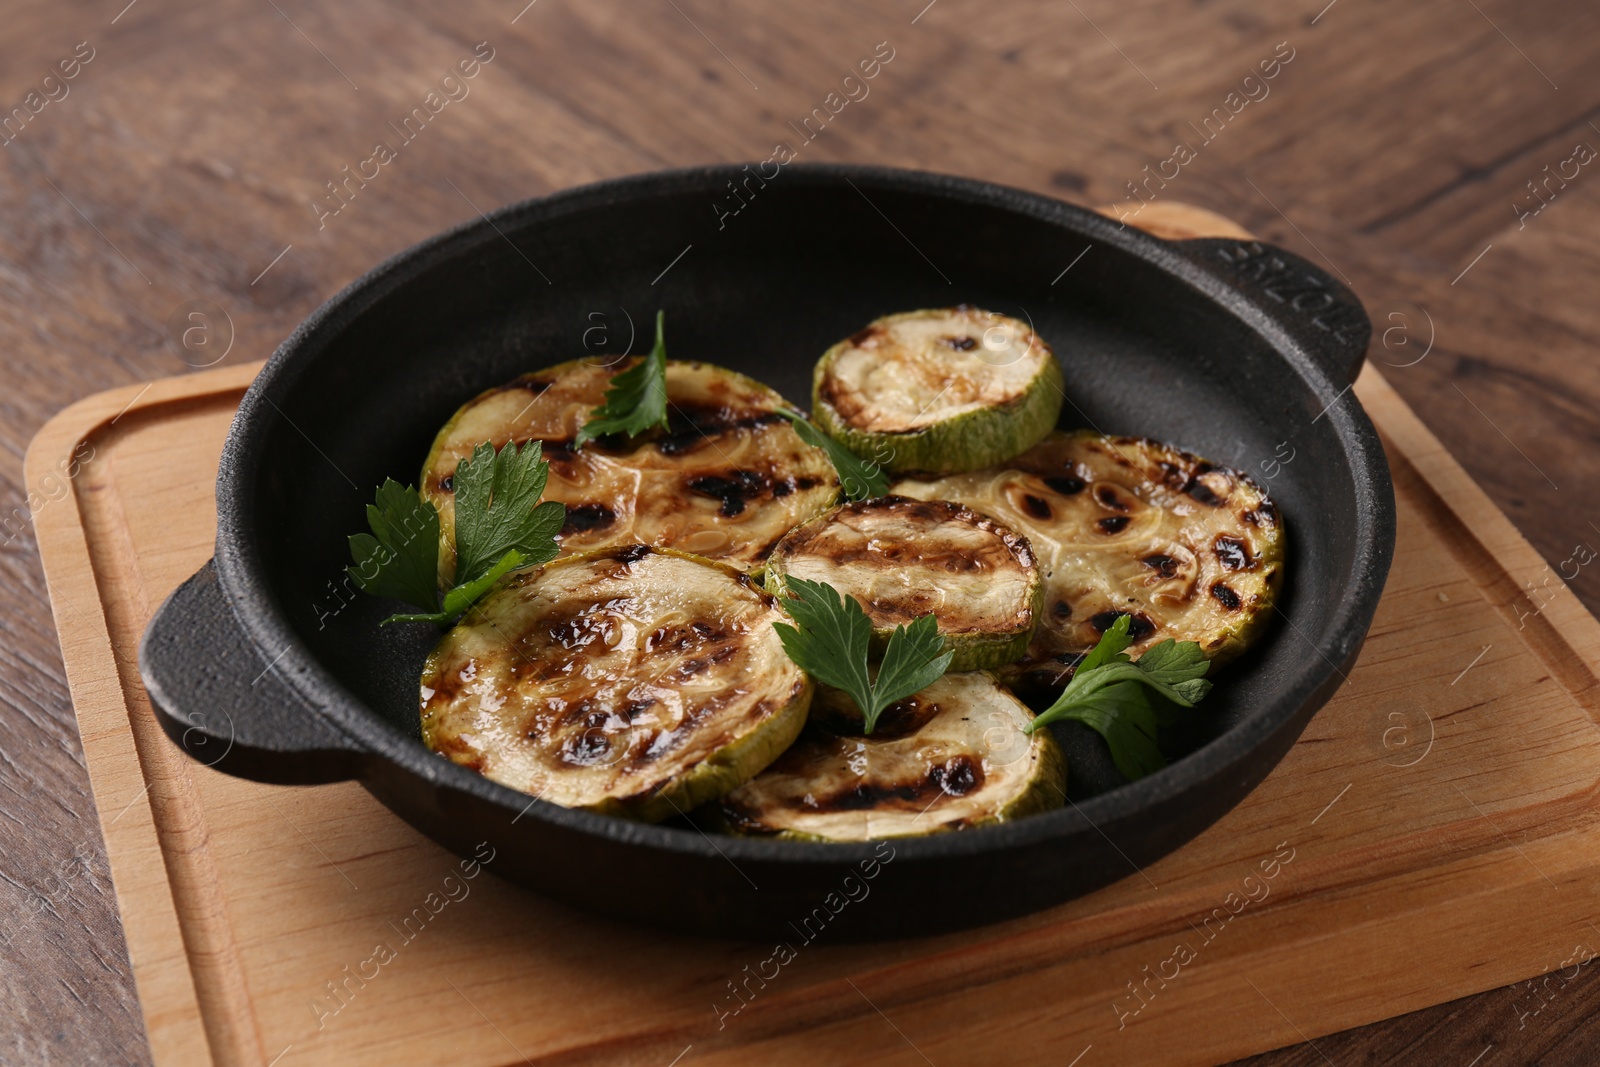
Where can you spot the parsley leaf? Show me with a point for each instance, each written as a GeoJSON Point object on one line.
{"type": "Point", "coordinates": [1124, 700]}
{"type": "Point", "coordinates": [861, 479]}
{"type": "Point", "coordinates": [500, 526]}
{"type": "Point", "coordinates": [1126, 718]}
{"type": "Point", "coordinates": [498, 513]}
{"type": "Point", "coordinates": [400, 558]}
{"type": "Point", "coordinates": [636, 399]}
{"type": "Point", "coordinates": [830, 642]}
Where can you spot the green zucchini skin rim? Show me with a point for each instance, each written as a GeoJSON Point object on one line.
{"type": "Point", "coordinates": [713, 777]}
{"type": "Point", "coordinates": [966, 442]}
{"type": "Point", "coordinates": [972, 651]}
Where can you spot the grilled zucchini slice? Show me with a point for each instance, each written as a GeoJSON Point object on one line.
{"type": "Point", "coordinates": [1130, 526]}
{"type": "Point", "coordinates": [727, 478]}
{"type": "Point", "coordinates": [634, 681]}
{"type": "Point", "coordinates": [951, 757]}
{"type": "Point", "coordinates": [902, 559]}
{"type": "Point", "coordinates": [951, 389]}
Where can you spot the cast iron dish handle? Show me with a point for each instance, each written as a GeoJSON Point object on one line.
{"type": "Point", "coordinates": [1309, 303]}
{"type": "Point", "coordinates": [200, 669]}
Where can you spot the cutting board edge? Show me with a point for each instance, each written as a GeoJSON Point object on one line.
{"type": "Point", "coordinates": [1563, 621]}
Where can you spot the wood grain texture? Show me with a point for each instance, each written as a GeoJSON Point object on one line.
{"type": "Point", "coordinates": [183, 161]}
{"type": "Point", "coordinates": [1444, 823]}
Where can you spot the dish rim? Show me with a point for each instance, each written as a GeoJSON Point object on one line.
{"type": "Point", "coordinates": [244, 581]}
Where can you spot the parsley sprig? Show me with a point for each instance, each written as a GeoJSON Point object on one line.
{"type": "Point", "coordinates": [1124, 700]}
{"type": "Point", "coordinates": [636, 400]}
{"type": "Point", "coordinates": [829, 642]}
{"type": "Point", "coordinates": [859, 478]}
{"type": "Point", "coordinates": [500, 525]}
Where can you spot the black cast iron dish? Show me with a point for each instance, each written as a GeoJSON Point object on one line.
{"type": "Point", "coordinates": [262, 666]}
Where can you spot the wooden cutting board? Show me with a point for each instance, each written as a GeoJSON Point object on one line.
{"type": "Point", "coordinates": [1432, 835]}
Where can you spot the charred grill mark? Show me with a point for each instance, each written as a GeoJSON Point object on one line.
{"type": "Point", "coordinates": [1113, 524]}
{"type": "Point", "coordinates": [900, 719]}
{"type": "Point", "coordinates": [532, 384]}
{"type": "Point", "coordinates": [447, 484]}
{"type": "Point", "coordinates": [1066, 484]}
{"type": "Point", "coordinates": [828, 393]}
{"type": "Point", "coordinates": [872, 551]}
{"type": "Point", "coordinates": [630, 554]}
{"type": "Point", "coordinates": [1061, 611]}
{"type": "Point", "coordinates": [1233, 553]}
{"type": "Point", "coordinates": [1037, 507]}
{"type": "Point", "coordinates": [867, 795]}
{"type": "Point", "coordinates": [446, 687]}
{"type": "Point", "coordinates": [957, 776]}
{"type": "Point", "coordinates": [905, 608]}
{"type": "Point", "coordinates": [742, 821]}
{"type": "Point", "coordinates": [1197, 489]}
{"type": "Point", "coordinates": [676, 444]}
{"type": "Point", "coordinates": [666, 741]}
{"type": "Point", "coordinates": [734, 491]}
{"type": "Point", "coordinates": [1068, 661]}
{"type": "Point", "coordinates": [587, 748]}
{"type": "Point", "coordinates": [785, 486]}
{"type": "Point", "coordinates": [587, 517]}
{"type": "Point", "coordinates": [1021, 549]}
{"type": "Point", "coordinates": [1108, 498]}
{"type": "Point", "coordinates": [684, 638]}
{"type": "Point", "coordinates": [1044, 679]}
{"type": "Point", "coordinates": [960, 344]}
{"type": "Point", "coordinates": [705, 422]}
{"type": "Point", "coordinates": [581, 630]}
{"type": "Point", "coordinates": [555, 449]}
{"type": "Point", "coordinates": [1263, 514]}
{"type": "Point", "coordinates": [1226, 597]}
{"type": "Point", "coordinates": [559, 452]}
{"type": "Point", "coordinates": [926, 510]}
{"type": "Point", "coordinates": [1139, 624]}
{"type": "Point", "coordinates": [1162, 564]}
{"type": "Point", "coordinates": [905, 717]}
{"type": "Point", "coordinates": [1006, 547]}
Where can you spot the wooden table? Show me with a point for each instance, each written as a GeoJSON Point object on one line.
{"type": "Point", "coordinates": [178, 172]}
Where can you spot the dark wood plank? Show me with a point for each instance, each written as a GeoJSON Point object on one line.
{"type": "Point", "coordinates": [188, 152]}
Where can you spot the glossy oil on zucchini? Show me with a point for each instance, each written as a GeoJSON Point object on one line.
{"type": "Point", "coordinates": [634, 681]}
{"type": "Point", "coordinates": [726, 479]}
{"type": "Point", "coordinates": [901, 559]}
{"type": "Point", "coordinates": [1129, 526]}
{"type": "Point", "coordinates": [952, 757]}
